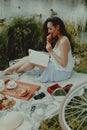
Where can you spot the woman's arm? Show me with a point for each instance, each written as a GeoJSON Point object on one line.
{"type": "Point", "coordinates": [63, 58]}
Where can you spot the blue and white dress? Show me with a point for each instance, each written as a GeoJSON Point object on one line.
{"type": "Point", "coordinates": [55, 72]}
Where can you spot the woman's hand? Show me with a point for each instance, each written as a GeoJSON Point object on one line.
{"type": "Point", "coordinates": [49, 47]}
{"type": "Point", "coordinates": [49, 38]}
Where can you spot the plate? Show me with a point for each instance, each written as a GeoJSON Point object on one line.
{"type": "Point", "coordinates": [11, 85]}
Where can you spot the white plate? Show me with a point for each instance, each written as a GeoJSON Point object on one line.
{"type": "Point", "coordinates": [11, 85]}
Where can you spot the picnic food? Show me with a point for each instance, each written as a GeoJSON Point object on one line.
{"type": "Point", "coordinates": [52, 88]}
{"type": "Point", "coordinates": [22, 92]}
{"type": "Point", "coordinates": [19, 91]}
{"type": "Point", "coordinates": [6, 103]}
{"type": "Point", "coordinates": [1, 107]}
{"type": "Point", "coordinates": [67, 87]}
{"type": "Point", "coordinates": [59, 92]}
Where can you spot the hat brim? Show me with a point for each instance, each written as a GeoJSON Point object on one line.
{"type": "Point", "coordinates": [24, 125]}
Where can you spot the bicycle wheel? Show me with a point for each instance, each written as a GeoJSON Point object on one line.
{"type": "Point", "coordinates": [73, 110]}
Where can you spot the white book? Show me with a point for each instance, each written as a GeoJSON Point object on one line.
{"type": "Point", "coordinates": [38, 58]}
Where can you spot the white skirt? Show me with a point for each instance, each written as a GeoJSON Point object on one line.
{"type": "Point", "coordinates": [51, 74]}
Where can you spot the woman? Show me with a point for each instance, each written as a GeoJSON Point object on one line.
{"type": "Point", "coordinates": [61, 62]}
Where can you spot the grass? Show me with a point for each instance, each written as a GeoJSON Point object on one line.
{"type": "Point", "coordinates": [50, 124]}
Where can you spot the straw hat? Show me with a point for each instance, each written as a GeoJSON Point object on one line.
{"type": "Point", "coordinates": [14, 120]}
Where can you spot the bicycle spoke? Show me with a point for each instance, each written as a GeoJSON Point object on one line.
{"type": "Point", "coordinates": [76, 118]}
{"type": "Point", "coordinates": [82, 121]}
{"type": "Point", "coordinates": [71, 114]}
{"type": "Point", "coordinates": [75, 109]}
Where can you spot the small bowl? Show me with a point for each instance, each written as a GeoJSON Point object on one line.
{"type": "Point", "coordinates": [52, 88]}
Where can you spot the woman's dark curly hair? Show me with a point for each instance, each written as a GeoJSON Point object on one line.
{"type": "Point", "coordinates": [57, 21]}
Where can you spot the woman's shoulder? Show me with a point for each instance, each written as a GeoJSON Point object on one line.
{"type": "Point", "coordinates": [65, 42]}
{"type": "Point", "coordinates": [65, 39]}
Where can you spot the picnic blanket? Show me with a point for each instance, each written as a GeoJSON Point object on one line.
{"type": "Point", "coordinates": [46, 107]}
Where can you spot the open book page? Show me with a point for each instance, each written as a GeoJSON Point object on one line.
{"type": "Point", "coordinates": [38, 58]}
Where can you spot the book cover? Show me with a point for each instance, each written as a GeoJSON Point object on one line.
{"type": "Point", "coordinates": [38, 58]}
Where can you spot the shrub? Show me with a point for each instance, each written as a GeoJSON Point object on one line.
{"type": "Point", "coordinates": [3, 50]}
{"type": "Point", "coordinates": [22, 35]}
{"type": "Point", "coordinates": [17, 37]}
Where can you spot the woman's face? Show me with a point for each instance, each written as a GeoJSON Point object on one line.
{"type": "Point", "coordinates": [52, 29]}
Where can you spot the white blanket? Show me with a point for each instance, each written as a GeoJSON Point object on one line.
{"type": "Point", "coordinates": [48, 106]}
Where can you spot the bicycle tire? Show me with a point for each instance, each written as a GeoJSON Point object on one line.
{"type": "Point", "coordinates": [67, 100]}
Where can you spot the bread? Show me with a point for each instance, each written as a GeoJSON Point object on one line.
{"type": "Point", "coordinates": [22, 91]}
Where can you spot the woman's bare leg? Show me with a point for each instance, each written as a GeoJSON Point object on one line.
{"type": "Point", "coordinates": [13, 68]}
{"type": "Point", "coordinates": [21, 66]}
{"type": "Point", "coordinates": [26, 67]}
